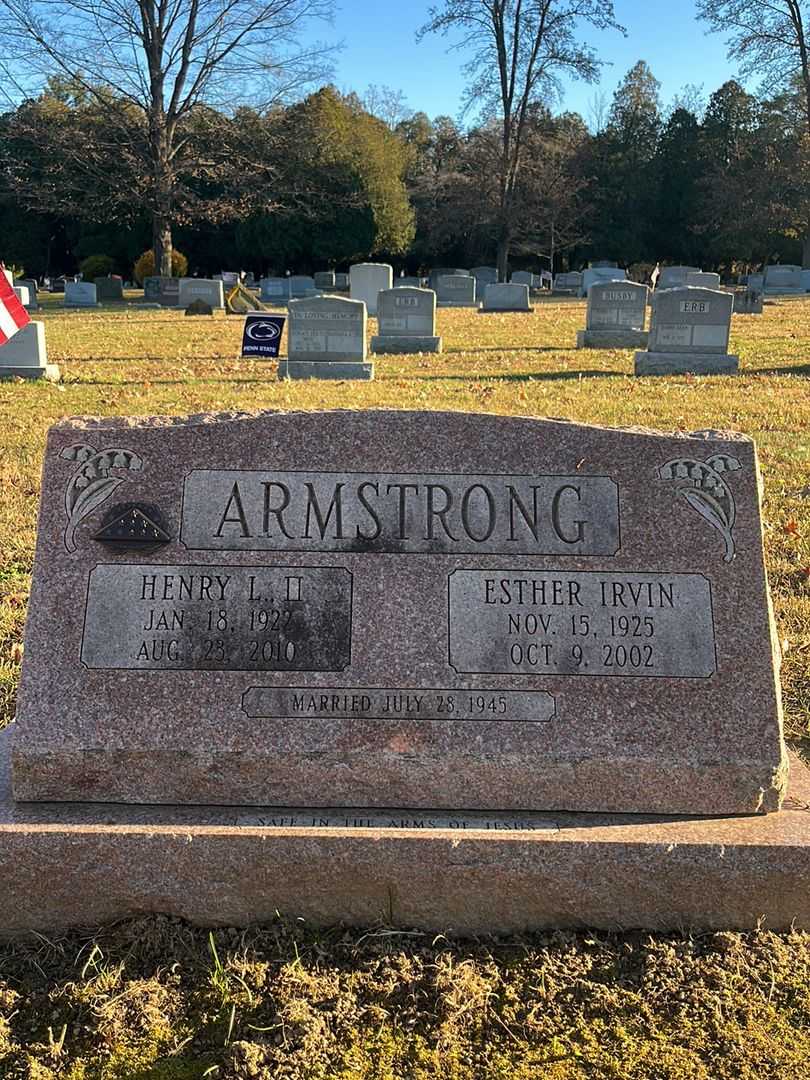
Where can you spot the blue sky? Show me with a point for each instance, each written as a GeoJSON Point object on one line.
{"type": "Point", "coordinates": [380, 48]}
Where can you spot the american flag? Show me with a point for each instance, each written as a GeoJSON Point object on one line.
{"type": "Point", "coordinates": [13, 316]}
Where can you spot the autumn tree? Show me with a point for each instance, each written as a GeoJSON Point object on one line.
{"type": "Point", "coordinates": [151, 69]}
{"type": "Point", "coordinates": [518, 50]}
{"type": "Point", "coordinates": [771, 39]}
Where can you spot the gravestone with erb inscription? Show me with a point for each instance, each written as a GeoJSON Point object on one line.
{"type": "Point", "coordinates": [454, 631]}
{"type": "Point", "coordinates": [689, 332]}
{"type": "Point", "coordinates": [406, 319]}
{"type": "Point", "coordinates": [617, 314]}
{"type": "Point", "coordinates": [326, 339]}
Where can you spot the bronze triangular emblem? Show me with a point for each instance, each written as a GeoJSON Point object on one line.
{"type": "Point", "coordinates": [134, 526]}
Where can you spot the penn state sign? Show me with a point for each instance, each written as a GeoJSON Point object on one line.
{"type": "Point", "coordinates": [262, 334]}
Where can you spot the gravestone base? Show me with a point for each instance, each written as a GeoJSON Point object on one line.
{"type": "Point", "coordinates": [82, 864]}
{"type": "Point", "coordinates": [652, 363]}
{"type": "Point", "coordinates": [612, 339]}
{"type": "Point", "coordinates": [50, 372]}
{"type": "Point", "coordinates": [475, 304]}
{"type": "Point", "coordinates": [388, 343]}
{"type": "Point", "coordinates": [324, 369]}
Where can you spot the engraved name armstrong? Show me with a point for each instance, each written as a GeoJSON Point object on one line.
{"type": "Point", "coordinates": [590, 623]}
{"type": "Point", "coordinates": [218, 618]}
{"type": "Point", "coordinates": [413, 513]}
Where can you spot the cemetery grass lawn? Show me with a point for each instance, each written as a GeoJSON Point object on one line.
{"type": "Point", "coordinates": [155, 1000]}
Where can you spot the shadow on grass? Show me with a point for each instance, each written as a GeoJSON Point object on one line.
{"type": "Point", "coordinates": [508, 349]}
{"type": "Point", "coordinates": [524, 376]}
{"type": "Point", "coordinates": [797, 369]}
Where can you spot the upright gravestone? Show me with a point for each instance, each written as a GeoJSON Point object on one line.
{"type": "Point", "coordinates": [162, 290]}
{"type": "Point", "coordinates": [783, 280]}
{"type": "Point", "coordinates": [31, 285]}
{"type": "Point", "coordinates": [748, 301]}
{"type": "Point", "coordinates": [57, 285]}
{"type": "Point", "coordinates": [109, 288]}
{"type": "Point", "coordinates": [435, 274]}
{"type": "Point", "coordinates": [702, 280]}
{"type": "Point", "coordinates": [367, 281]}
{"type": "Point", "coordinates": [506, 297]}
{"type": "Point", "coordinates": [674, 277]}
{"type": "Point", "coordinates": [689, 332]}
{"type": "Point", "coordinates": [324, 279]}
{"type": "Point", "coordinates": [302, 287]}
{"type": "Point", "coordinates": [341, 281]}
{"type": "Point", "coordinates": [406, 319]}
{"type": "Point", "coordinates": [274, 290]}
{"type": "Point", "coordinates": [80, 294]}
{"type": "Point", "coordinates": [568, 284]}
{"type": "Point", "coordinates": [484, 275]}
{"type": "Point", "coordinates": [326, 339]}
{"type": "Point", "coordinates": [456, 290]}
{"type": "Point", "coordinates": [484, 622]}
{"type": "Point", "coordinates": [408, 283]}
{"type": "Point", "coordinates": [524, 277]}
{"type": "Point", "coordinates": [24, 356]}
{"type": "Point", "coordinates": [617, 315]}
{"type": "Point", "coordinates": [22, 294]}
{"type": "Point", "coordinates": [208, 290]}
{"type": "Point", "coordinates": [600, 275]}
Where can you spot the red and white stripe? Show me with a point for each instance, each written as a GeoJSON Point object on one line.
{"type": "Point", "coordinates": [13, 316]}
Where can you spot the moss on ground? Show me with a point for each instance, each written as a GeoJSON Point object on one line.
{"type": "Point", "coordinates": [156, 1000]}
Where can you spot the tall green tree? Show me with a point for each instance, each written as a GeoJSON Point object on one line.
{"type": "Point", "coordinates": [150, 65]}
{"type": "Point", "coordinates": [518, 50]}
{"type": "Point", "coordinates": [771, 38]}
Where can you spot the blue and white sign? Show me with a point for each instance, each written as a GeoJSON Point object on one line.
{"type": "Point", "coordinates": [262, 334]}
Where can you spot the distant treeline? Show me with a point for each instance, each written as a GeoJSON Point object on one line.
{"type": "Point", "coordinates": [722, 185]}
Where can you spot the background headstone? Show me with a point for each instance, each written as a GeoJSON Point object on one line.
{"type": "Point", "coordinates": [456, 290]}
{"type": "Point", "coordinates": [324, 279]}
{"type": "Point", "coordinates": [616, 316]}
{"type": "Point", "coordinates": [326, 339]}
{"type": "Point", "coordinates": [25, 356]}
{"type": "Point", "coordinates": [689, 332]}
{"type": "Point", "coordinates": [32, 286]}
{"type": "Point", "coordinates": [22, 294]}
{"type": "Point", "coordinates": [702, 280]}
{"type": "Point", "coordinates": [513, 296]}
{"type": "Point", "coordinates": [406, 319]}
{"type": "Point", "coordinates": [302, 286]}
{"type": "Point", "coordinates": [748, 301]}
{"type": "Point", "coordinates": [162, 290]}
{"type": "Point", "coordinates": [80, 294]}
{"type": "Point", "coordinates": [568, 284]}
{"type": "Point", "coordinates": [109, 288]}
{"type": "Point", "coordinates": [484, 275]}
{"type": "Point", "coordinates": [274, 289]}
{"type": "Point", "coordinates": [784, 280]}
{"type": "Point", "coordinates": [366, 282]}
{"type": "Point", "coordinates": [208, 290]}
{"type": "Point", "coordinates": [674, 277]}
{"type": "Point", "coordinates": [436, 273]}
{"type": "Point", "coordinates": [596, 275]}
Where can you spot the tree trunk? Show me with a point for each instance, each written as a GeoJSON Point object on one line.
{"type": "Point", "coordinates": [162, 244]}
{"type": "Point", "coordinates": [503, 257]}
{"type": "Point", "coordinates": [806, 252]}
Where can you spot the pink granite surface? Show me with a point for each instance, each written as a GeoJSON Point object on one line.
{"type": "Point", "coordinates": [69, 865]}
{"type": "Point", "coordinates": [710, 745]}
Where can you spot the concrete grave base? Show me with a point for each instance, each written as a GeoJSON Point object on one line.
{"type": "Point", "coordinates": [612, 339]}
{"type": "Point", "coordinates": [81, 864]}
{"type": "Point", "coordinates": [474, 304]}
{"type": "Point", "coordinates": [651, 363]}
{"type": "Point", "coordinates": [48, 371]}
{"type": "Point", "coordinates": [387, 343]}
{"type": "Point", "coordinates": [327, 369]}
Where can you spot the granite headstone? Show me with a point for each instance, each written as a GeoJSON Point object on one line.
{"type": "Point", "coordinates": [406, 319]}
{"type": "Point", "coordinates": [617, 314]}
{"type": "Point", "coordinates": [326, 339]}
{"type": "Point", "coordinates": [689, 332]}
